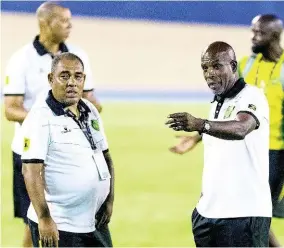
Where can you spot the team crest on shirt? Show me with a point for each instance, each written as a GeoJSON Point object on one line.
{"type": "Point", "coordinates": [228, 112]}
{"type": "Point", "coordinates": [26, 144]}
{"type": "Point", "coordinates": [95, 125]}
{"type": "Point", "coordinates": [251, 106]}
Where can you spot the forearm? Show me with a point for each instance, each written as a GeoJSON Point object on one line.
{"type": "Point", "coordinates": [111, 171]}
{"type": "Point", "coordinates": [35, 187]}
{"type": "Point", "coordinates": [17, 114]}
{"type": "Point", "coordinates": [228, 130]}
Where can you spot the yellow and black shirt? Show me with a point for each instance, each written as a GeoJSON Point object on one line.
{"type": "Point", "coordinates": [270, 77]}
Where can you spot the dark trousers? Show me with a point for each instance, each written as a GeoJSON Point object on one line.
{"type": "Point", "coordinates": [20, 194]}
{"type": "Point", "coordinates": [98, 238]}
{"type": "Point", "coordinates": [231, 232]}
{"type": "Point", "coordinates": [276, 180]}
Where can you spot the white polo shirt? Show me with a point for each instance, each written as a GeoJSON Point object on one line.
{"type": "Point", "coordinates": [77, 179]}
{"type": "Point", "coordinates": [27, 72]}
{"type": "Point", "coordinates": [236, 172]}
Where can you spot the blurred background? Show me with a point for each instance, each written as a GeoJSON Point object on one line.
{"type": "Point", "coordinates": [145, 58]}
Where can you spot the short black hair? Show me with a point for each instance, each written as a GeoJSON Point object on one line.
{"type": "Point", "coordinates": [269, 18]}
{"type": "Point", "coordinates": [67, 55]}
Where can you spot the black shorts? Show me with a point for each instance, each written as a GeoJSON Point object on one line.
{"type": "Point", "coordinates": [21, 197]}
{"type": "Point", "coordinates": [98, 238]}
{"type": "Point", "coordinates": [231, 232]}
{"type": "Point", "coordinates": [276, 180]}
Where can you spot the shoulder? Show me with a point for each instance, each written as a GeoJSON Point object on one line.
{"type": "Point", "coordinates": [22, 54]}
{"type": "Point", "coordinates": [254, 94]}
{"type": "Point", "coordinates": [40, 110]}
{"type": "Point", "coordinates": [244, 60]}
{"type": "Point", "coordinates": [91, 107]}
{"type": "Point", "coordinates": [76, 50]}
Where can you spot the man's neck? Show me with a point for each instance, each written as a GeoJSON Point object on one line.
{"type": "Point", "coordinates": [273, 53]}
{"type": "Point", "coordinates": [74, 109]}
{"type": "Point", "coordinates": [49, 45]}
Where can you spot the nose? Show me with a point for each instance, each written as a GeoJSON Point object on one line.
{"type": "Point", "coordinates": [209, 73]}
{"type": "Point", "coordinates": [72, 82]}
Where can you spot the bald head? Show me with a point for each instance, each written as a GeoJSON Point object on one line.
{"type": "Point", "coordinates": [219, 47]}
{"type": "Point", "coordinates": [218, 62]}
{"type": "Point", "coordinates": [272, 22]}
{"type": "Point", "coordinates": [54, 22]}
{"type": "Point", "coordinates": [266, 31]}
{"type": "Point", "coordinates": [47, 11]}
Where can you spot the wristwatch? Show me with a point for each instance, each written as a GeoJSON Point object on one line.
{"type": "Point", "coordinates": [206, 127]}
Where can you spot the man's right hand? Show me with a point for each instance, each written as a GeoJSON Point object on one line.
{"type": "Point", "coordinates": [186, 144]}
{"type": "Point", "coordinates": [48, 232]}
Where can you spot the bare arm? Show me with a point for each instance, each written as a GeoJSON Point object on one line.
{"type": "Point", "coordinates": [104, 214]}
{"type": "Point", "coordinates": [111, 171]}
{"type": "Point", "coordinates": [14, 108]}
{"type": "Point", "coordinates": [234, 130]}
{"type": "Point", "coordinates": [186, 143]}
{"type": "Point", "coordinates": [89, 95]}
{"type": "Point", "coordinates": [35, 186]}
{"type": "Point", "coordinates": [228, 130]}
{"type": "Point", "coordinates": [48, 232]}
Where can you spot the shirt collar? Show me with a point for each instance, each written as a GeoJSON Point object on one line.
{"type": "Point", "coordinates": [41, 50]}
{"type": "Point", "coordinates": [236, 89]}
{"type": "Point", "coordinates": [58, 107]}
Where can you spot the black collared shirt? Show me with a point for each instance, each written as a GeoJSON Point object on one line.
{"type": "Point", "coordinates": [59, 109]}
{"type": "Point", "coordinates": [41, 50]}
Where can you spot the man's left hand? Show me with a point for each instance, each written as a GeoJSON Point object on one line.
{"type": "Point", "coordinates": [104, 214]}
{"type": "Point", "coordinates": [185, 122]}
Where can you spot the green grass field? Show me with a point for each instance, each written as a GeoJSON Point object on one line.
{"type": "Point", "coordinates": [156, 190]}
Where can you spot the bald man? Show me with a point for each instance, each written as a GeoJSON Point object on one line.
{"type": "Point", "coordinates": [265, 69]}
{"type": "Point", "coordinates": [26, 79]}
{"type": "Point", "coordinates": [235, 206]}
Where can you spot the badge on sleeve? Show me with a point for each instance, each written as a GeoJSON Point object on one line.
{"type": "Point", "coordinates": [95, 125]}
{"type": "Point", "coordinates": [251, 106]}
{"type": "Point", "coordinates": [26, 144]}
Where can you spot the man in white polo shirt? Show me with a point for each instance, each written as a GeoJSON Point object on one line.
{"type": "Point", "coordinates": [235, 206]}
{"type": "Point", "coordinates": [66, 163]}
{"type": "Point", "coordinates": [27, 77]}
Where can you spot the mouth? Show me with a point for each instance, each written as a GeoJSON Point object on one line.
{"type": "Point", "coordinates": [213, 86]}
{"type": "Point", "coordinates": [71, 93]}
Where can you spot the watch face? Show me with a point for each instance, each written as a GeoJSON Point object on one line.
{"type": "Point", "coordinates": [207, 126]}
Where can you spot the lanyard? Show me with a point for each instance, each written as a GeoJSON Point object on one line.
{"type": "Point", "coordinates": [82, 122]}
{"type": "Point", "coordinates": [257, 72]}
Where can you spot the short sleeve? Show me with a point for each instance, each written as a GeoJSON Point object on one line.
{"type": "Point", "coordinates": [15, 76]}
{"type": "Point", "coordinates": [102, 142]}
{"type": "Point", "coordinates": [36, 137]}
{"type": "Point", "coordinates": [255, 104]}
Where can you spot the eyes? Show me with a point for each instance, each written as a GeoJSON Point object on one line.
{"type": "Point", "coordinates": [216, 66]}
{"type": "Point", "coordinates": [66, 76]}
{"type": "Point", "coordinates": [258, 32]}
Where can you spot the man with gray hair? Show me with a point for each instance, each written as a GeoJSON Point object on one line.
{"type": "Point", "coordinates": [26, 79]}
{"type": "Point", "coordinates": [67, 166]}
